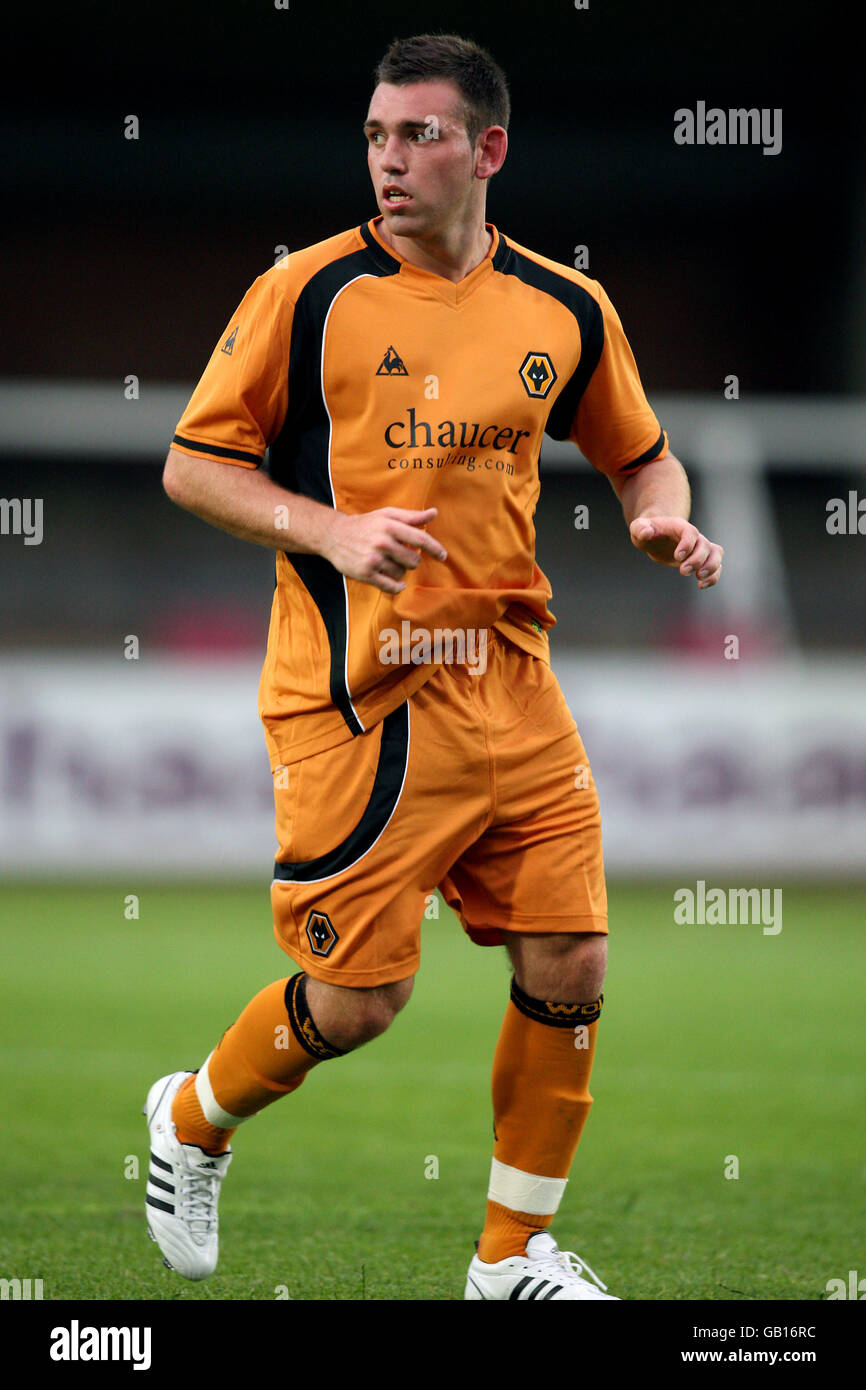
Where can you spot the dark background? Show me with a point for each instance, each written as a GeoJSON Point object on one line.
{"type": "Point", "coordinates": [127, 256]}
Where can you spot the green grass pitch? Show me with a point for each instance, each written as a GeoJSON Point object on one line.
{"type": "Point", "coordinates": [716, 1042]}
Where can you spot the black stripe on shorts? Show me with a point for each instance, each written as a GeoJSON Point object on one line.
{"type": "Point", "coordinates": [390, 772]}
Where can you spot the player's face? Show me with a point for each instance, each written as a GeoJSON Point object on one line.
{"type": "Point", "coordinates": [420, 159]}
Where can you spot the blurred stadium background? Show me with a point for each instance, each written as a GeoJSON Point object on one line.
{"type": "Point", "coordinates": [125, 258]}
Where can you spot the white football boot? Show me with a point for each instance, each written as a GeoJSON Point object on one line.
{"type": "Point", "coordinates": [544, 1272]}
{"type": "Point", "coordinates": [182, 1188]}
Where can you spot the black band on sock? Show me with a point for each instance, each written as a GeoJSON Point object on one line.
{"type": "Point", "coordinates": [555, 1015]}
{"type": "Point", "coordinates": [302, 1023]}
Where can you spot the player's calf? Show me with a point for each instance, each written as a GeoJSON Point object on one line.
{"type": "Point", "coordinates": [264, 1055]}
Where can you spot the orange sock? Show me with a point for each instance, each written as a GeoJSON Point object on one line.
{"type": "Point", "coordinates": [192, 1127]}
{"type": "Point", "coordinates": [541, 1102]}
{"type": "Point", "coordinates": [266, 1054]}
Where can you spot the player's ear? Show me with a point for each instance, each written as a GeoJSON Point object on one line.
{"type": "Point", "coordinates": [491, 149]}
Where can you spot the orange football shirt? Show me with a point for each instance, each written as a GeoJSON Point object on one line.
{"type": "Point", "coordinates": [371, 383]}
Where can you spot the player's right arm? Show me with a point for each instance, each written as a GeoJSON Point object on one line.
{"type": "Point", "coordinates": [374, 547]}
{"type": "Point", "coordinates": [239, 407]}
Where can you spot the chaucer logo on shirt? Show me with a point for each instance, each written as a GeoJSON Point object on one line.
{"type": "Point", "coordinates": [229, 345]}
{"type": "Point", "coordinates": [413, 433]}
{"type": "Point", "coordinates": [537, 374]}
{"type": "Point", "coordinates": [392, 364]}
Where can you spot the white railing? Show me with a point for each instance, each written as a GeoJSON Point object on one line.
{"type": "Point", "coordinates": [727, 445]}
{"type": "Point", "coordinates": [77, 417]}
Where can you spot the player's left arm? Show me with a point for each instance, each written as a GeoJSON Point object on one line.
{"type": "Point", "coordinates": [656, 502]}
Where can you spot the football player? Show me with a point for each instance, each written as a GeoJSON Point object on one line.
{"type": "Point", "coordinates": [402, 375]}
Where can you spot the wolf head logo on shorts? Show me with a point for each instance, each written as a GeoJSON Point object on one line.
{"type": "Point", "coordinates": [321, 934]}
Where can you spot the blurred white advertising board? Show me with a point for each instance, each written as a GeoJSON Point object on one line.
{"type": "Point", "coordinates": [159, 765]}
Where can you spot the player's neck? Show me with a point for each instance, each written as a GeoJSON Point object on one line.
{"type": "Point", "coordinates": [453, 257]}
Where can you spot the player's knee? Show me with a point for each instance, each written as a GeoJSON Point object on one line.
{"type": "Point", "coordinates": [569, 966]}
{"type": "Point", "coordinates": [377, 1008]}
{"type": "Point", "coordinates": [583, 966]}
{"type": "Point", "coordinates": [590, 964]}
{"type": "Point", "coordinates": [348, 1018]}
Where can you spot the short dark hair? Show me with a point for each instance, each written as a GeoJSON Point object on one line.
{"type": "Point", "coordinates": [447, 57]}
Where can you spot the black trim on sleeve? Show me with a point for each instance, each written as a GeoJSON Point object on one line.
{"type": "Point", "coordinates": [647, 457]}
{"type": "Point", "coordinates": [217, 449]}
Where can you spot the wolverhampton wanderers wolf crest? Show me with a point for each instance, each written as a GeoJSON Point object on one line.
{"type": "Point", "coordinates": [321, 934]}
{"type": "Point", "coordinates": [537, 374]}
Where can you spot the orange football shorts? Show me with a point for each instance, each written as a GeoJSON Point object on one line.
{"type": "Point", "coordinates": [478, 784]}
